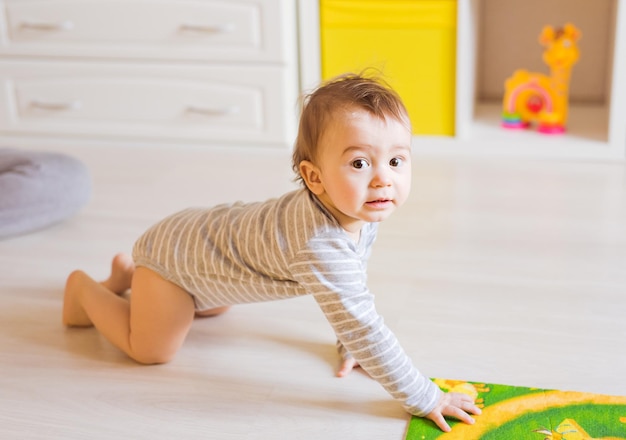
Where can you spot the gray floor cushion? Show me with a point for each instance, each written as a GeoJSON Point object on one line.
{"type": "Point", "coordinates": [38, 189]}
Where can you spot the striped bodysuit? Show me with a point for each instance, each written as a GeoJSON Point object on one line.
{"type": "Point", "coordinates": [282, 248]}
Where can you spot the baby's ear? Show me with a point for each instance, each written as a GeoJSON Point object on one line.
{"type": "Point", "coordinates": [312, 177]}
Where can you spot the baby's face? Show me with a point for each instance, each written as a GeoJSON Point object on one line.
{"type": "Point", "coordinates": [365, 167]}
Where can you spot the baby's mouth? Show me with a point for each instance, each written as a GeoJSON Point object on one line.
{"type": "Point", "coordinates": [378, 201]}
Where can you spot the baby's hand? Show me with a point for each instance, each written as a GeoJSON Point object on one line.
{"type": "Point", "coordinates": [455, 405]}
{"type": "Point", "coordinates": [347, 366]}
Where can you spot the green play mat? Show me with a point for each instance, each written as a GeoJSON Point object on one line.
{"type": "Point", "coordinates": [520, 413]}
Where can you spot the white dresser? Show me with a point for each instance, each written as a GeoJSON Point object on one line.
{"type": "Point", "coordinates": [196, 71]}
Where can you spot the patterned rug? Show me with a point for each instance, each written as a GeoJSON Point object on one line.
{"type": "Point", "coordinates": [519, 413]}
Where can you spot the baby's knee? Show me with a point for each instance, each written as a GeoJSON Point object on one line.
{"type": "Point", "coordinates": [150, 355]}
{"type": "Point", "coordinates": [75, 279]}
{"type": "Point", "coordinates": [150, 359]}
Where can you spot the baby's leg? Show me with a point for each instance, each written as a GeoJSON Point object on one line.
{"type": "Point", "coordinates": [122, 270]}
{"type": "Point", "coordinates": [150, 328]}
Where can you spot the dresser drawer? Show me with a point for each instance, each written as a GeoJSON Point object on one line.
{"type": "Point", "coordinates": [163, 102]}
{"type": "Point", "coordinates": [233, 30]}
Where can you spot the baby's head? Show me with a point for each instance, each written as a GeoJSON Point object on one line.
{"type": "Point", "coordinates": [342, 94]}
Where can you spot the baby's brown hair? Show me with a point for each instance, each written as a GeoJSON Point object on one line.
{"type": "Point", "coordinates": [339, 94]}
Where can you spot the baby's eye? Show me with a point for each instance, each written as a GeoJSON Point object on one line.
{"type": "Point", "coordinates": [396, 162]}
{"type": "Point", "coordinates": [360, 163]}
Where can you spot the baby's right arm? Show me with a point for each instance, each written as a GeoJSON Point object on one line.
{"type": "Point", "coordinates": [456, 405]}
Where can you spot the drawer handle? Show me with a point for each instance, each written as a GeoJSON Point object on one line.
{"type": "Point", "coordinates": [207, 29]}
{"type": "Point", "coordinates": [56, 106]}
{"type": "Point", "coordinates": [43, 26]}
{"type": "Point", "coordinates": [222, 111]}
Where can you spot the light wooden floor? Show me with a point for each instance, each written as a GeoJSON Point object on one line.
{"type": "Point", "coordinates": [496, 271]}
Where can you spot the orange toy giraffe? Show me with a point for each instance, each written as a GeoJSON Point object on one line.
{"type": "Point", "coordinates": [536, 97]}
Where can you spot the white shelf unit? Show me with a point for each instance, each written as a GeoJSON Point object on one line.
{"type": "Point", "coordinates": [596, 129]}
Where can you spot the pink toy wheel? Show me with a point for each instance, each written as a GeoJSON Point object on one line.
{"type": "Point", "coordinates": [551, 129]}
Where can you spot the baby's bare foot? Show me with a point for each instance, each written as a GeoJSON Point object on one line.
{"type": "Point", "coordinates": [73, 313]}
{"type": "Point", "coordinates": [122, 270]}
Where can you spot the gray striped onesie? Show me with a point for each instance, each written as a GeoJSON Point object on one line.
{"type": "Point", "coordinates": [282, 248]}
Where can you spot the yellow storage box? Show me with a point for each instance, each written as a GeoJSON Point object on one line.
{"type": "Point", "coordinates": [412, 42]}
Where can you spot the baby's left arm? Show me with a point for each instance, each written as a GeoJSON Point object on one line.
{"type": "Point", "coordinates": [347, 366]}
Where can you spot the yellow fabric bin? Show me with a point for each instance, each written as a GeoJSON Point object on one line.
{"type": "Point", "coordinates": [413, 44]}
